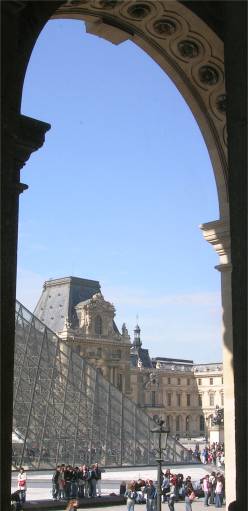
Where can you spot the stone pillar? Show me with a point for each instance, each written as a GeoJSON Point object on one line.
{"type": "Point", "coordinates": [216, 434]}
{"type": "Point", "coordinates": [217, 233]}
{"type": "Point", "coordinates": [18, 144]}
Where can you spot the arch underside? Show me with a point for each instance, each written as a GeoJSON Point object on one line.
{"type": "Point", "coordinates": [188, 51]}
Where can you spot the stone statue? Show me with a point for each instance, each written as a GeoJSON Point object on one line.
{"type": "Point", "coordinates": [124, 330]}
{"type": "Point", "coordinates": [218, 418]}
{"type": "Point", "coordinates": [67, 323]}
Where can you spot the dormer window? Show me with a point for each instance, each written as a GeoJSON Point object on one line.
{"type": "Point", "coordinates": [98, 325]}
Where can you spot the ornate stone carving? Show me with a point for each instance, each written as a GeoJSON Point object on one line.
{"type": "Point", "coordinates": [221, 103]}
{"type": "Point", "coordinates": [124, 330]}
{"type": "Point", "coordinates": [139, 11]}
{"type": "Point", "coordinates": [151, 380]}
{"type": "Point", "coordinates": [218, 418]}
{"type": "Point", "coordinates": [164, 27]}
{"type": "Point", "coordinates": [188, 49]}
{"type": "Point", "coordinates": [208, 75]}
{"type": "Point", "coordinates": [107, 4]}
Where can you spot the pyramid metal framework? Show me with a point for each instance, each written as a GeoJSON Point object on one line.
{"type": "Point", "coordinates": [66, 412]}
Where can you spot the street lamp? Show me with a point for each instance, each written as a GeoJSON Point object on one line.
{"type": "Point", "coordinates": [161, 435]}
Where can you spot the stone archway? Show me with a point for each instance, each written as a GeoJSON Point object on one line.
{"type": "Point", "coordinates": [192, 55]}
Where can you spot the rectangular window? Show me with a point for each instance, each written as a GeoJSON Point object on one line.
{"type": "Point", "coordinates": [199, 381]}
{"type": "Point", "coordinates": [178, 399]}
{"type": "Point", "coordinates": [188, 381]}
{"type": "Point", "coordinates": [169, 380]}
{"type": "Point", "coordinates": [200, 400]}
{"type": "Point", "coordinates": [211, 381]}
{"type": "Point", "coordinates": [169, 399]}
{"type": "Point", "coordinates": [116, 354]}
{"type": "Point", "coordinates": [188, 399]}
{"type": "Point", "coordinates": [178, 381]}
{"type": "Point", "coordinates": [211, 400]}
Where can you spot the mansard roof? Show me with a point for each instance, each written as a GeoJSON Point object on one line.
{"type": "Point", "coordinates": [59, 297]}
{"type": "Point", "coordinates": [141, 354]}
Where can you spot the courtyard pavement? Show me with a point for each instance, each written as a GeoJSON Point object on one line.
{"type": "Point", "coordinates": [179, 506]}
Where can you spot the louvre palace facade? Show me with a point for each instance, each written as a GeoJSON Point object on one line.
{"type": "Point", "coordinates": [183, 393]}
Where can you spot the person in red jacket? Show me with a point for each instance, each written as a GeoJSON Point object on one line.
{"type": "Point", "coordinates": [22, 484]}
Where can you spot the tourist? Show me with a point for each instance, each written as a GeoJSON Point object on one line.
{"type": "Point", "coordinates": [72, 504]}
{"type": "Point", "coordinates": [85, 474]}
{"type": "Point", "coordinates": [172, 493]}
{"type": "Point", "coordinates": [92, 482]}
{"type": "Point", "coordinates": [151, 496]}
{"type": "Point", "coordinates": [74, 483]}
{"type": "Point", "coordinates": [61, 482]}
{"type": "Point", "coordinates": [98, 473]}
{"type": "Point", "coordinates": [206, 489]}
{"type": "Point", "coordinates": [80, 482]}
{"type": "Point", "coordinates": [165, 487]}
{"type": "Point", "coordinates": [55, 488]}
{"type": "Point", "coordinates": [16, 501]}
{"type": "Point", "coordinates": [189, 497]}
{"type": "Point", "coordinates": [212, 484]}
{"type": "Point", "coordinates": [22, 484]}
{"type": "Point", "coordinates": [219, 491]}
{"type": "Point", "coordinates": [131, 496]}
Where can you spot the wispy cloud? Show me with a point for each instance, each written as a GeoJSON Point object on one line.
{"type": "Point", "coordinates": [129, 297]}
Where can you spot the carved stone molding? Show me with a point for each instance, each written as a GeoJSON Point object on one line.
{"type": "Point", "coordinates": [217, 233]}
{"type": "Point", "coordinates": [29, 138]}
{"type": "Point", "coordinates": [189, 52]}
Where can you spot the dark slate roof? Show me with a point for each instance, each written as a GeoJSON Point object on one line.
{"type": "Point", "coordinates": [59, 297]}
{"type": "Point", "coordinates": [173, 360]}
{"type": "Point", "coordinates": [143, 355]}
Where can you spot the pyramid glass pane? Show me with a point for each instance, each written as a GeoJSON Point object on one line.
{"type": "Point", "coordinates": [66, 412]}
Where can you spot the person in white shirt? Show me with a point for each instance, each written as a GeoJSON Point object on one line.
{"type": "Point", "coordinates": [22, 484]}
{"type": "Point", "coordinates": [218, 492]}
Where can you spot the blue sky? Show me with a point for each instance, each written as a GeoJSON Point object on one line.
{"type": "Point", "coordinates": [118, 191]}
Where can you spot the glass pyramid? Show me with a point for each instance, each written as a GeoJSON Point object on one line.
{"type": "Point", "coordinates": [66, 412]}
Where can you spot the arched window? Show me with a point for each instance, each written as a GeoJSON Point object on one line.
{"type": "Point", "coordinates": [98, 325]}
{"type": "Point", "coordinates": [202, 423]}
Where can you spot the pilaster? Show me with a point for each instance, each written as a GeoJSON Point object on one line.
{"type": "Point", "coordinates": [20, 139]}
{"type": "Point", "coordinates": [217, 233]}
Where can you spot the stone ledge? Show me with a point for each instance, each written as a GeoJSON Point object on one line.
{"type": "Point", "coordinates": [85, 503]}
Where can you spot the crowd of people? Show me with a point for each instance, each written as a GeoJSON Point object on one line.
{"type": "Point", "coordinates": [174, 487]}
{"type": "Point", "coordinates": [210, 454]}
{"type": "Point", "coordinates": [72, 483]}
{"type": "Point", "coordinates": [76, 482]}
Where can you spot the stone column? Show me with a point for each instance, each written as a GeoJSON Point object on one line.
{"type": "Point", "coordinates": [217, 233]}
{"type": "Point", "coordinates": [17, 145]}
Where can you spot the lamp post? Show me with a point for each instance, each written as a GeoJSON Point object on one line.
{"type": "Point", "coordinates": [160, 433]}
